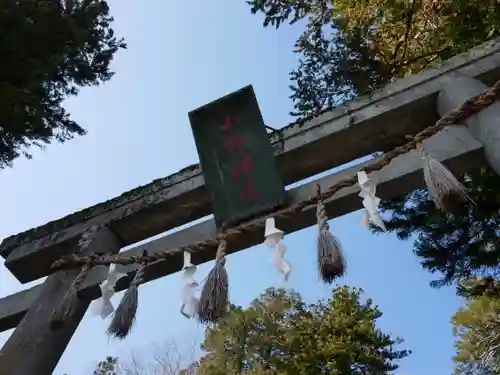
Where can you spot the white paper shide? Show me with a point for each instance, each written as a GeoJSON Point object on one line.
{"type": "Point", "coordinates": [103, 306]}
{"type": "Point", "coordinates": [273, 236]}
{"type": "Point", "coordinates": [371, 212]}
{"type": "Point", "coordinates": [189, 305]}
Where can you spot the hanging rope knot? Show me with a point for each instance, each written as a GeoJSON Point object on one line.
{"type": "Point", "coordinates": [124, 316]}
{"type": "Point", "coordinates": [220, 255]}
{"type": "Point", "coordinates": [321, 212]}
{"type": "Point", "coordinates": [139, 275]}
{"type": "Point", "coordinates": [330, 260]}
{"type": "Point", "coordinates": [63, 311]}
{"type": "Point", "coordinates": [444, 189]}
{"type": "Point", "coordinates": [84, 271]}
{"type": "Point", "coordinates": [214, 298]}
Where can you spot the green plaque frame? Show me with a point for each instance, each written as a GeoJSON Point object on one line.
{"type": "Point", "coordinates": [237, 157]}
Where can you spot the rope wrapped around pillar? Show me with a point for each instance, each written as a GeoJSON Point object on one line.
{"type": "Point", "coordinates": [125, 313]}
{"type": "Point", "coordinates": [214, 299]}
{"type": "Point", "coordinates": [330, 257]}
{"type": "Point", "coordinates": [67, 305]}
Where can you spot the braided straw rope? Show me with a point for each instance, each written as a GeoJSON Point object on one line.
{"type": "Point", "coordinates": [220, 255]}
{"type": "Point", "coordinates": [67, 306]}
{"type": "Point", "coordinates": [465, 110]}
{"type": "Point", "coordinates": [214, 299]}
{"type": "Point", "coordinates": [321, 216]}
{"type": "Point", "coordinates": [330, 258]}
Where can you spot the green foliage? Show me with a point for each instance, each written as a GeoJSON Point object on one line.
{"type": "Point", "coordinates": [454, 246]}
{"type": "Point", "coordinates": [477, 327]}
{"type": "Point", "coordinates": [50, 50]}
{"type": "Point", "coordinates": [190, 370]}
{"type": "Point", "coordinates": [107, 367]}
{"type": "Point", "coordinates": [351, 47]}
{"type": "Point", "coordinates": [277, 12]}
{"type": "Point", "coordinates": [280, 334]}
{"type": "Point", "coordinates": [330, 70]}
{"type": "Point", "coordinates": [479, 286]}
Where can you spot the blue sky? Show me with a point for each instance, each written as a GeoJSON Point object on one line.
{"type": "Point", "coordinates": [180, 57]}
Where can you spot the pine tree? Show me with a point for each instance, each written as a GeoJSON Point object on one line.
{"type": "Point", "coordinates": [477, 327]}
{"type": "Point", "coordinates": [350, 48]}
{"type": "Point", "coordinates": [109, 366]}
{"type": "Point", "coordinates": [460, 246]}
{"type": "Point", "coordinates": [280, 334]}
{"type": "Point", "coordinates": [49, 50]}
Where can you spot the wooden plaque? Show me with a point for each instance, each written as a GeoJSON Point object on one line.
{"type": "Point", "coordinates": [236, 157]}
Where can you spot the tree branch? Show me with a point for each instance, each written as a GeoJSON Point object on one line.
{"type": "Point", "coordinates": [409, 22]}
{"type": "Point", "coordinates": [412, 60]}
{"type": "Point", "coordinates": [404, 41]}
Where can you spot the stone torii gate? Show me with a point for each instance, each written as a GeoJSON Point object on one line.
{"type": "Point", "coordinates": [347, 132]}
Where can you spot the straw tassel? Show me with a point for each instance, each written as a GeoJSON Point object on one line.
{"type": "Point", "coordinates": [63, 311]}
{"type": "Point", "coordinates": [331, 263]}
{"type": "Point", "coordinates": [214, 299]}
{"type": "Point", "coordinates": [445, 190]}
{"type": "Point", "coordinates": [124, 315]}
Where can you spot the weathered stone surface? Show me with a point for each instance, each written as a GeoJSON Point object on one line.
{"type": "Point", "coordinates": [372, 123]}
{"type": "Point", "coordinates": [483, 125]}
{"type": "Point", "coordinates": [86, 214]}
{"type": "Point", "coordinates": [34, 347]}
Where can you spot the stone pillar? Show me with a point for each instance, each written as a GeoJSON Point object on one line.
{"type": "Point", "coordinates": [485, 125]}
{"type": "Point", "coordinates": [34, 348]}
